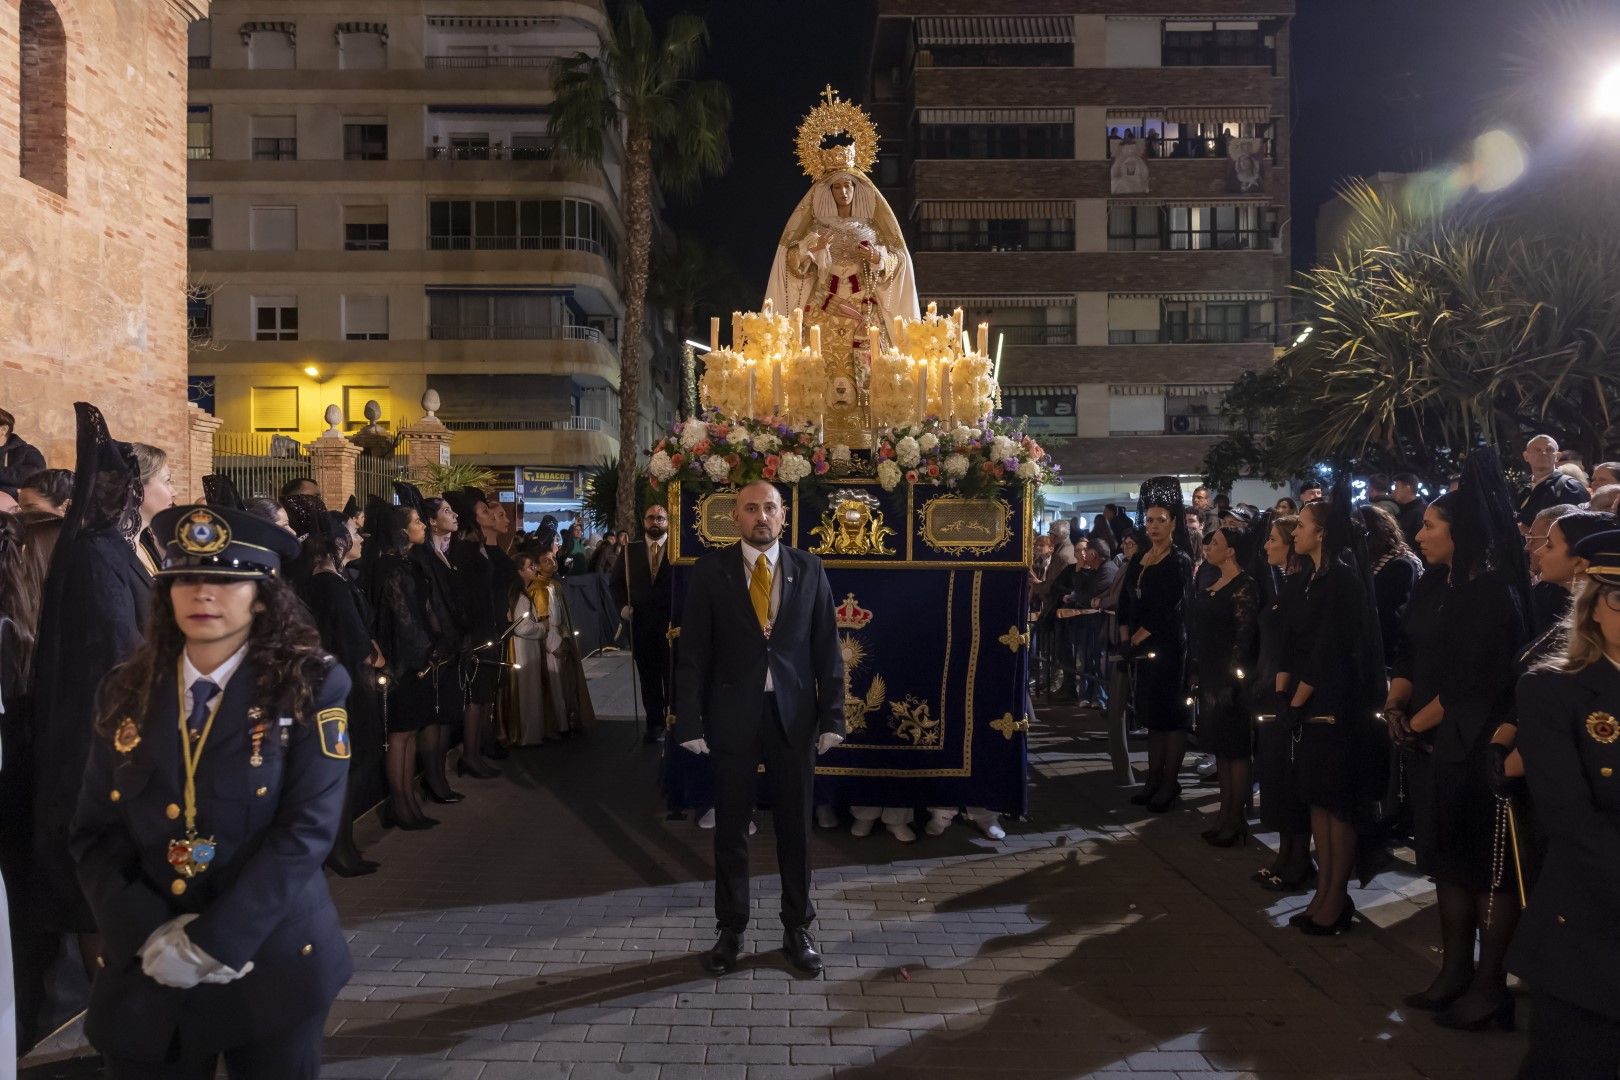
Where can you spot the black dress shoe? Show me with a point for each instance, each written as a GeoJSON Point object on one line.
{"type": "Point", "coordinates": [800, 949]}
{"type": "Point", "coordinates": [723, 957]}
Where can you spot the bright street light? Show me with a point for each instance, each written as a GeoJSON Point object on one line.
{"type": "Point", "coordinates": [1606, 96]}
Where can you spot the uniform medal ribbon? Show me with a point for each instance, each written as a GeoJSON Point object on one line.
{"type": "Point", "coordinates": [190, 856]}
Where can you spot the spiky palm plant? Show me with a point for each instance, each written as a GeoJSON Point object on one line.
{"type": "Point", "coordinates": [675, 129]}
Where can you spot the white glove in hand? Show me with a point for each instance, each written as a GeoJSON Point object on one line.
{"type": "Point", "coordinates": [828, 740]}
{"type": "Point", "coordinates": [170, 958]}
{"type": "Point", "coordinates": [697, 746]}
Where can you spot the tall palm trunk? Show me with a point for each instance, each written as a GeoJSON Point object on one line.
{"type": "Point", "coordinates": [638, 224]}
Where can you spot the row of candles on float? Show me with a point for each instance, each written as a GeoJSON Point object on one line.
{"type": "Point", "coordinates": [932, 364]}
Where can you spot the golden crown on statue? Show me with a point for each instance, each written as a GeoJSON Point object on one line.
{"type": "Point", "coordinates": [832, 118]}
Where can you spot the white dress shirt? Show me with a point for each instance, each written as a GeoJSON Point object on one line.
{"type": "Point", "coordinates": [219, 676]}
{"type": "Point", "coordinates": [773, 559]}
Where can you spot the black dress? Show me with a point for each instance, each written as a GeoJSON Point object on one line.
{"type": "Point", "coordinates": [397, 588]}
{"type": "Point", "coordinates": [98, 592]}
{"type": "Point", "coordinates": [1336, 765]}
{"type": "Point", "coordinates": [474, 577]}
{"type": "Point", "coordinates": [449, 633]}
{"type": "Point", "coordinates": [1393, 583]}
{"type": "Point", "coordinates": [1224, 621]}
{"type": "Point", "coordinates": [344, 618]}
{"type": "Point", "coordinates": [1280, 805]}
{"type": "Point", "coordinates": [1153, 600]}
{"type": "Point", "coordinates": [1459, 644]}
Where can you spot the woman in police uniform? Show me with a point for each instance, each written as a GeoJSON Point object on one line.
{"type": "Point", "coordinates": [212, 795]}
{"type": "Point", "coordinates": [1568, 945]}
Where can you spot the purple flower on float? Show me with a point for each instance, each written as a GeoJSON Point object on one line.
{"type": "Point", "coordinates": [1010, 464]}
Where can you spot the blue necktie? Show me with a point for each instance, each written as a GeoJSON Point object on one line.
{"type": "Point", "coordinates": [202, 692]}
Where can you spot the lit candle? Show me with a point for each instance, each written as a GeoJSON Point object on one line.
{"type": "Point", "coordinates": [956, 317]}
{"type": "Point", "coordinates": [984, 339]}
{"type": "Point", "coordinates": [776, 388]}
{"type": "Point", "coordinates": [736, 331]}
{"type": "Point", "coordinates": [769, 308]}
{"type": "Point", "coordinates": [749, 411]}
{"type": "Point", "coordinates": [922, 391]}
{"type": "Point", "coordinates": [714, 333]}
{"type": "Point", "coordinates": [933, 310]}
{"type": "Point", "coordinates": [798, 327]}
{"type": "Point", "coordinates": [899, 333]}
{"type": "Point", "coordinates": [945, 392]}
{"type": "Point", "coordinates": [815, 341]}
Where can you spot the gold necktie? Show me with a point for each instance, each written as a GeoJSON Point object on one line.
{"type": "Point", "coordinates": [759, 590]}
{"type": "Point", "coordinates": [656, 556]}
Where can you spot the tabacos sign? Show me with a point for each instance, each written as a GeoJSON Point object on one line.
{"type": "Point", "coordinates": [537, 484]}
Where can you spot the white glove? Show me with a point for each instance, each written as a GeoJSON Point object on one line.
{"type": "Point", "coordinates": [170, 958]}
{"type": "Point", "coordinates": [624, 613]}
{"type": "Point", "coordinates": [697, 746]}
{"type": "Point", "coordinates": [828, 740]}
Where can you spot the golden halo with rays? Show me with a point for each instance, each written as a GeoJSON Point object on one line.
{"type": "Point", "coordinates": [834, 116]}
{"type": "Point", "coordinates": [854, 652]}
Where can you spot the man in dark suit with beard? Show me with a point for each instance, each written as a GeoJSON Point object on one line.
{"type": "Point", "coordinates": [760, 679]}
{"type": "Point", "coordinates": [641, 588]}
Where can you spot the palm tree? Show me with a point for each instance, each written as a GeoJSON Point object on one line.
{"type": "Point", "coordinates": [675, 129]}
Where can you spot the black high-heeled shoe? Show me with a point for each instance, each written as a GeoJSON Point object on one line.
{"type": "Point", "coordinates": [1158, 806]}
{"type": "Point", "coordinates": [1497, 1015]}
{"type": "Point", "coordinates": [1340, 925]}
{"type": "Point", "coordinates": [350, 866]}
{"type": "Point", "coordinates": [1429, 1001]}
{"type": "Point", "coordinates": [449, 798]}
{"type": "Point", "coordinates": [390, 820]}
{"type": "Point", "coordinates": [1278, 883]}
{"type": "Point", "coordinates": [1230, 839]}
{"type": "Point", "coordinates": [488, 772]}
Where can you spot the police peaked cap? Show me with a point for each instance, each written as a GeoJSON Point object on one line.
{"type": "Point", "coordinates": [219, 541]}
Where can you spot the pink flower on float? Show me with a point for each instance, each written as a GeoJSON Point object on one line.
{"type": "Point", "coordinates": [911, 476]}
{"type": "Point", "coordinates": [701, 448]}
{"type": "Point", "coordinates": [933, 469]}
{"type": "Point", "coordinates": [820, 466]}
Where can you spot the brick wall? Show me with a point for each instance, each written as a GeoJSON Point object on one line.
{"type": "Point", "coordinates": [94, 280]}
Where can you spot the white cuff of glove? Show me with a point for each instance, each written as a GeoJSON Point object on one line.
{"type": "Point", "coordinates": [697, 746]}
{"type": "Point", "coordinates": [172, 959]}
{"type": "Point", "coordinates": [828, 740]}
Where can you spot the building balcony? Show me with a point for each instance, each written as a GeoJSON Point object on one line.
{"type": "Point", "coordinates": [1178, 180]}
{"type": "Point", "coordinates": [1047, 87]}
{"type": "Point", "coordinates": [507, 168]}
{"type": "Point", "coordinates": [543, 151]}
{"type": "Point", "coordinates": [1014, 272]}
{"type": "Point", "coordinates": [1196, 334]}
{"type": "Point", "coordinates": [579, 440]}
{"type": "Point", "coordinates": [1170, 364]}
{"type": "Point", "coordinates": [488, 61]}
{"type": "Point", "coordinates": [574, 269]}
{"type": "Point", "coordinates": [584, 357]}
{"type": "Point", "coordinates": [1131, 456]}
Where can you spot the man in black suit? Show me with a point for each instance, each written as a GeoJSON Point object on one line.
{"type": "Point", "coordinates": [641, 589]}
{"type": "Point", "coordinates": [761, 680]}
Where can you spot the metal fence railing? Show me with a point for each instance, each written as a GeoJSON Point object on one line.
{"type": "Point", "coordinates": [259, 463]}
{"type": "Point", "coordinates": [375, 476]}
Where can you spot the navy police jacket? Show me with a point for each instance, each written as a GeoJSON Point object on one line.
{"type": "Point", "coordinates": [263, 898]}
{"type": "Point", "coordinates": [1568, 940]}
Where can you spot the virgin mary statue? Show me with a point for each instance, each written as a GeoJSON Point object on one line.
{"type": "Point", "coordinates": [843, 260]}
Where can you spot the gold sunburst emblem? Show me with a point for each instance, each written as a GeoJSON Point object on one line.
{"type": "Point", "coordinates": [1602, 727]}
{"type": "Point", "coordinates": [835, 116]}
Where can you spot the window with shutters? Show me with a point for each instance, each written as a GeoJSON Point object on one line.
{"type": "Point", "coordinates": [275, 138]}
{"type": "Point", "coordinates": [365, 139]}
{"type": "Point", "coordinates": [275, 318]}
{"type": "Point", "coordinates": [199, 132]}
{"type": "Point", "coordinates": [199, 222]}
{"type": "Point", "coordinates": [365, 228]}
{"type": "Point", "coordinates": [273, 228]}
{"type": "Point", "coordinates": [365, 318]}
{"type": "Point", "coordinates": [275, 408]}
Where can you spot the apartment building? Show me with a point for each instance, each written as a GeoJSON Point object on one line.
{"type": "Point", "coordinates": [376, 207]}
{"type": "Point", "coordinates": [1105, 182]}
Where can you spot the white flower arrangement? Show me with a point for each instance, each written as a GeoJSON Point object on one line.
{"type": "Point", "coordinates": [1029, 470]}
{"type": "Point", "coordinates": [907, 452]}
{"type": "Point", "coordinates": [661, 468]}
{"type": "Point", "coordinates": [955, 466]}
{"type": "Point", "coordinates": [792, 468]}
{"type": "Point", "coordinates": [717, 469]}
{"type": "Point", "coordinates": [692, 433]}
{"type": "Point", "coordinates": [888, 475]}
{"type": "Point", "coordinates": [928, 442]}
{"type": "Point", "coordinates": [767, 443]}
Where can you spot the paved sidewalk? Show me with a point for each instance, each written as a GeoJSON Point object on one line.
{"type": "Point", "coordinates": [550, 929]}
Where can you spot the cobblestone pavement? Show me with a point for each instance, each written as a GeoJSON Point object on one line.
{"type": "Point", "coordinates": [550, 928]}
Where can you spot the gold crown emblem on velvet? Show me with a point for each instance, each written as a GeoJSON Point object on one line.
{"type": "Point", "coordinates": [850, 615]}
{"type": "Point", "coordinates": [832, 118]}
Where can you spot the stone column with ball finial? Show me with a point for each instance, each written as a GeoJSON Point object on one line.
{"type": "Point", "coordinates": [427, 441]}
{"type": "Point", "coordinates": [331, 461]}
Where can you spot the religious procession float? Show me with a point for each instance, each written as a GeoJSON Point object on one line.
{"type": "Point", "coordinates": [877, 420]}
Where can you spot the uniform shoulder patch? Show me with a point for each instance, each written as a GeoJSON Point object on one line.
{"type": "Point", "coordinates": [334, 728]}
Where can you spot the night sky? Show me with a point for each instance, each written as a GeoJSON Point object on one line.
{"type": "Point", "coordinates": [1378, 85]}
